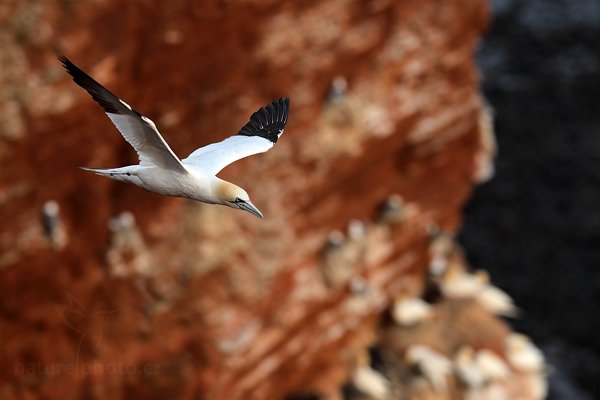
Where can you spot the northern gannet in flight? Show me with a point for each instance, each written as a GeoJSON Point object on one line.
{"type": "Point", "coordinates": [194, 177]}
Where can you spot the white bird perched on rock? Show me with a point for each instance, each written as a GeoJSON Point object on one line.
{"type": "Point", "coordinates": [392, 210]}
{"type": "Point", "coordinates": [161, 171]}
{"type": "Point", "coordinates": [367, 380]}
{"type": "Point", "coordinates": [497, 301]}
{"type": "Point", "coordinates": [356, 230]}
{"type": "Point", "coordinates": [492, 366]}
{"type": "Point", "coordinates": [53, 227]}
{"type": "Point", "coordinates": [335, 240]}
{"type": "Point", "coordinates": [523, 355]}
{"type": "Point", "coordinates": [434, 366]}
{"type": "Point", "coordinates": [371, 382]}
{"type": "Point", "coordinates": [338, 90]}
{"type": "Point", "coordinates": [409, 312]}
{"type": "Point", "coordinates": [467, 369]}
{"type": "Point", "coordinates": [124, 222]}
{"type": "Point", "coordinates": [461, 285]}
{"type": "Point", "coordinates": [127, 246]}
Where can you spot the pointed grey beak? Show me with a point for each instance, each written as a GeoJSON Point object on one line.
{"type": "Point", "coordinates": [248, 206]}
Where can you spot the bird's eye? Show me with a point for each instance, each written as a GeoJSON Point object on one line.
{"type": "Point", "coordinates": [238, 200]}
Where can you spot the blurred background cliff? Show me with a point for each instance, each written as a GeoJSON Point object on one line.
{"type": "Point", "coordinates": [354, 285]}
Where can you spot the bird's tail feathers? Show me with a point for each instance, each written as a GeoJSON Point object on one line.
{"type": "Point", "coordinates": [107, 171]}
{"type": "Point", "coordinates": [125, 174]}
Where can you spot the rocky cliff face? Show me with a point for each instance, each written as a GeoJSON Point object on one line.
{"type": "Point", "coordinates": [127, 294]}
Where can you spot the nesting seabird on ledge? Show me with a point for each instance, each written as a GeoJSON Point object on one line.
{"type": "Point", "coordinates": [194, 177]}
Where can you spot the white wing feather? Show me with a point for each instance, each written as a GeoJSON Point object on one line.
{"type": "Point", "coordinates": [142, 135]}
{"type": "Point", "coordinates": [259, 134]}
{"type": "Point", "coordinates": [214, 157]}
{"type": "Point", "coordinates": [139, 131]}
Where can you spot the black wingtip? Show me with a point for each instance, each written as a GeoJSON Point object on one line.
{"type": "Point", "coordinates": [63, 59]}
{"type": "Point", "coordinates": [269, 121]}
{"type": "Point", "coordinates": [99, 93]}
{"type": "Point", "coordinates": [68, 65]}
{"type": "Point", "coordinates": [71, 68]}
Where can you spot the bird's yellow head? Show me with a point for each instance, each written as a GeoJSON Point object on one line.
{"type": "Point", "coordinates": [235, 197]}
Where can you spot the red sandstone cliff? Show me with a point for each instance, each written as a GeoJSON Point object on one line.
{"type": "Point", "coordinates": [195, 301]}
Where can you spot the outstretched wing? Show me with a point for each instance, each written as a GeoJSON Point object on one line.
{"type": "Point", "coordinates": [139, 131]}
{"type": "Point", "coordinates": [257, 136]}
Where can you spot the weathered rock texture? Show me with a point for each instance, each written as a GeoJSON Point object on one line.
{"type": "Point", "coordinates": [195, 301]}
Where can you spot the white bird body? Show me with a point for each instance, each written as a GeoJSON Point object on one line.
{"type": "Point", "coordinates": [194, 177]}
{"type": "Point", "coordinates": [193, 184]}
